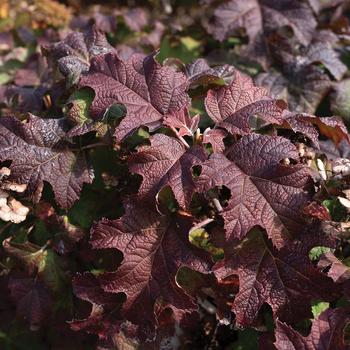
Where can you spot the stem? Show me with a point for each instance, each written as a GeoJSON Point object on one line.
{"type": "Point", "coordinates": [93, 145]}
{"type": "Point", "coordinates": [217, 204]}
{"type": "Point", "coordinates": [183, 141]}
{"type": "Point", "coordinates": [202, 223]}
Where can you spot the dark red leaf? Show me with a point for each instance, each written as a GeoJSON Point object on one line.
{"type": "Point", "coordinates": [317, 211]}
{"type": "Point", "coordinates": [326, 333]}
{"type": "Point", "coordinates": [166, 162]}
{"type": "Point", "coordinates": [73, 54]}
{"type": "Point", "coordinates": [148, 90]}
{"type": "Point", "coordinates": [33, 300]}
{"type": "Point", "coordinates": [231, 106]}
{"type": "Point", "coordinates": [154, 248]}
{"type": "Point", "coordinates": [285, 279]}
{"type": "Point", "coordinates": [263, 191]}
{"type": "Point", "coordinates": [39, 153]}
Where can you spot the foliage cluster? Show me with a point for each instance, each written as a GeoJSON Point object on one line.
{"type": "Point", "coordinates": [175, 175]}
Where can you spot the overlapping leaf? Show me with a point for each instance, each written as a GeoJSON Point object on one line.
{"type": "Point", "coordinates": [331, 127]}
{"type": "Point", "coordinates": [166, 163]}
{"type": "Point", "coordinates": [327, 333]}
{"type": "Point", "coordinates": [303, 80]}
{"type": "Point", "coordinates": [284, 279]}
{"type": "Point", "coordinates": [232, 106]}
{"type": "Point", "coordinates": [73, 54]}
{"type": "Point", "coordinates": [32, 298]}
{"type": "Point", "coordinates": [148, 90]}
{"type": "Point", "coordinates": [264, 192]}
{"type": "Point", "coordinates": [154, 247]}
{"type": "Point", "coordinates": [200, 73]}
{"type": "Point", "coordinates": [260, 19]}
{"type": "Point", "coordinates": [182, 121]}
{"type": "Point", "coordinates": [303, 88]}
{"type": "Point", "coordinates": [38, 153]}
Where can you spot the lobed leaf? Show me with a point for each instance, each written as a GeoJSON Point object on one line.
{"type": "Point", "coordinates": [264, 192]}
{"type": "Point", "coordinates": [39, 153]}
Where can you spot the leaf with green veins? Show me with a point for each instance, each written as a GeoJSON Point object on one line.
{"type": "Point", "coordinates": [318, 306]}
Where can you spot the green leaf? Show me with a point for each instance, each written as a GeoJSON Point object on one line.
{"type": "Point", "coordinates": [200, 238]}
{"type": "Point", "coordinates": [185, 48]}
{"type": "Point", "coordinates": [318, 306]}
{"type": "Point", "coordinates": [78, 104]}
{"type": "Point", "coordinates": [335, 208]}
{"type": "Point", "coordinates": [247, 340]}
{"type": "Point", "coordinates": [51, 270]}
{"type": "Point", "coordinates": [316, 252]}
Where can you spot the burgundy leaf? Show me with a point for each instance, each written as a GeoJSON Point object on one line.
{"type": "Point", "coordinates": [298, 124]}
{"type": "Point", "coordinates": [33, 300]}
{"type": "Point", "coordinates": [231, 106]}
{"type": "Point", "coordinates": [233, 15]}
{"type": "Point", "coordinates": [331, 127]}
{"type": "Point", "coordinates": [303, 87]}
{"type": "Point", "coordinates": [167, 163]}
{"type": "Point", "coordinates": [136, 18]}
{"type": "Point", "coordinates": [200, 73]}
{"type": "Point", "coordinates": [148, 92]}
{"type": "Point", "coordinates": [154, 248]}
{"type": "Point", "coordinates": [318, 211]}
{"type": "Point", "coordinates": [260, 19]}
{"type": "Point", "coordinates": [338, 271]}
{"type": "Point", "coordinates": [285, 279]}
{"type": "Point", "coordinates": [25, 99]}
{"type": "Point", "coordinates": [322, 52]}
{"type": "Point", "coordinates": [339, 99]}
{"type": "Point", "coordinates": [326, 333]}
{"type": "Point", "coordinates": [74, 53]}
{"type": "Point", "coordinates": [216, 138]}
{"type": "Point", "coordinates": [333, 151]}
{"type": "Point", "coordinates": [38, 153]}
{"type": "Point", "coordinates": [263, 191]}
{"type": "Point", "coordinates": [86, 287]}
{"type": "Point", "coordinates": [182, 121]}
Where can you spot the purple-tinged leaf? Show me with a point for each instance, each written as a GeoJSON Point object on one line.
{"type": "Point", "coordinates": [38, 153]}
{"type": "Point", "coordinates": [33, 301]}
{"type": "Point", "coordinates": [232, 106]}
{"type": "Point", "coordinates": [285, 279]}
{"type": "Point", "coordinates": [73, 54]}
{"type": "Point", "coordinates": [147, 90]}
{"type": "Point", "coordinates": [216, 138]}
{"type": "Point", "coordinates": [182, 121]}
{"type": "Point", "coordinates": [200, 73]}
{"type": "Point", "coordinates": [264, 192]}
{"type": "Point", "coordinates": [154, 248]}
{"type": "Point", "coordinates": [327, 333]}
{"type": "Point", "coordinates": [302, 87]}
{"type": "Point", "coordinates": [166, 162]}
{"type": "Point", "coordinates": [337, 270]}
